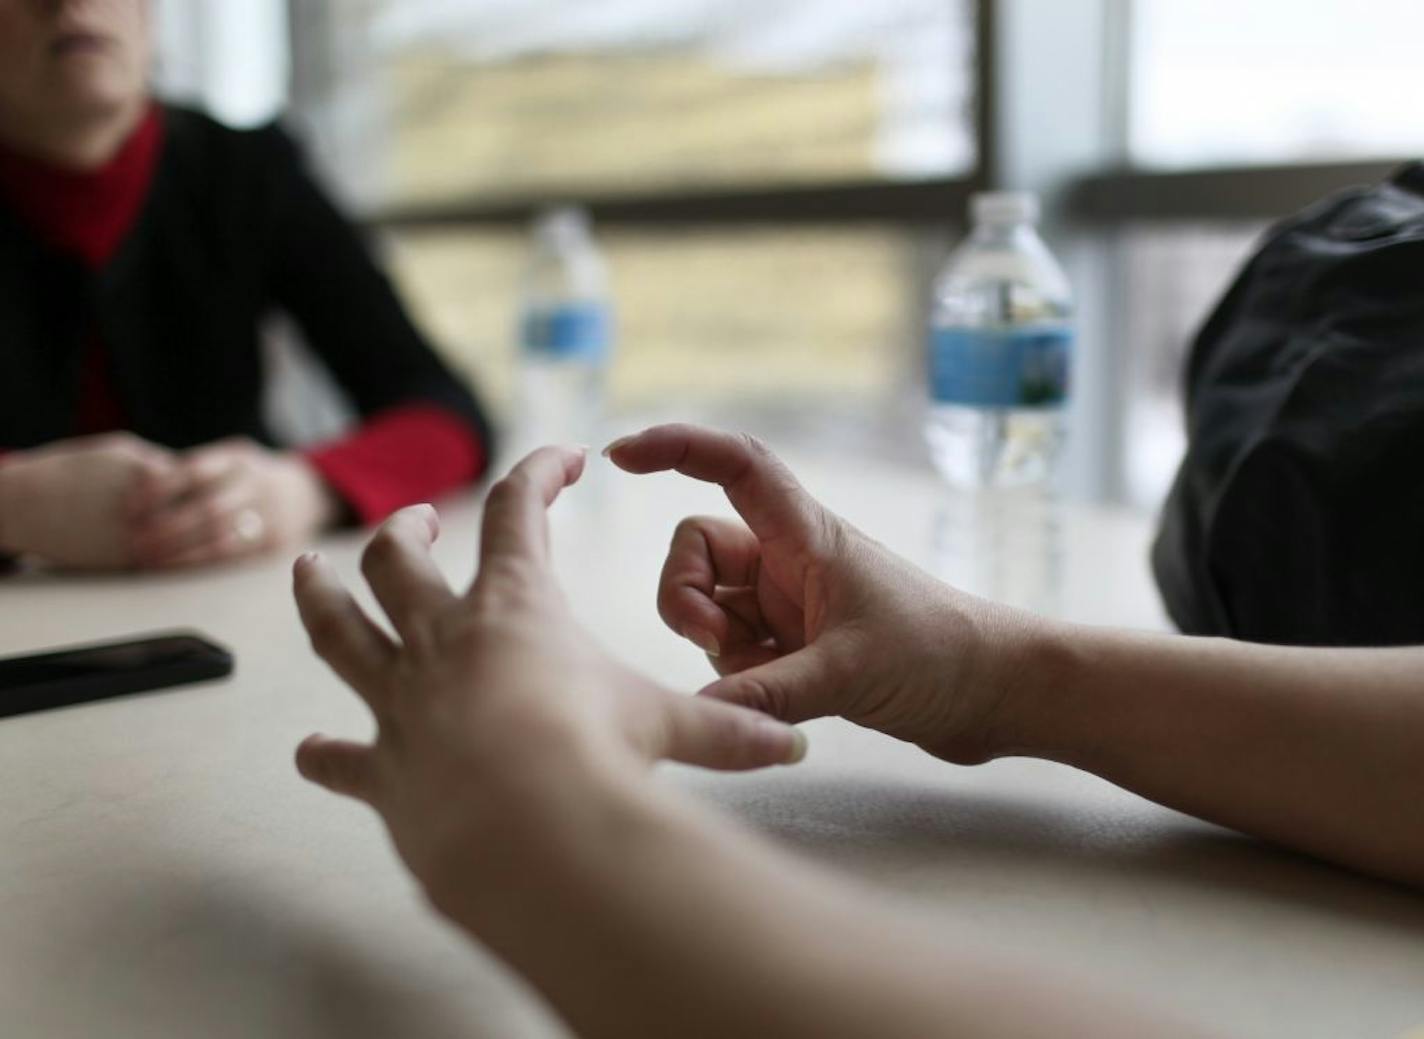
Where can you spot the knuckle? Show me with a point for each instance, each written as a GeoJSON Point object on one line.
{"type": "Point", "coordinates": [754, 446]}
{"type": "Point", "coordinates": [514, 575]}
{"type": "Point", "coordinates": [325, 630]}
{"type": "Point", "coordinates": [454, 627]}
{"type": "Point", "coordinates": [690, 528]}
{"type": "Point", "coordinates": [723, 727]}
{"type": "Point", "coordinates": [764, 697]}
{"type": "Point", "coordinates": [509, 489]}
{"type": "Point", "coordinates": [485, 601]}
{"type": "Point", "coordinates": [121, 442]}
{"type": "Point", "coordinates": [212, 513]}
{"type": "Point", "coordinates": [667, 604]}
{"type": "Point", "coordinates": [829, 531]}
{"type": "Point", "coordinates": [501, 496]}
{"type": "Point", "coordinates": [381, 551]}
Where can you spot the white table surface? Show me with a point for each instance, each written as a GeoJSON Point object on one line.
{"type": "Point", "coordinates": [163, 871]}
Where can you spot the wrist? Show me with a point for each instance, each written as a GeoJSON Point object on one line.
{"type": "Point", "coordinates": [1046, 707]}
{"type": "Point", "coordinates": [987, 667]}
{"type": "Point", "coordinates": [546, 827]}
{"type": "Point", "coordinates": [320, 506]}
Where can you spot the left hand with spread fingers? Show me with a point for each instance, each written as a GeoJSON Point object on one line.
{"type": "Point", "coordinates": [487, 701]}
{"type": "Point", "coordinates": [225, 501]}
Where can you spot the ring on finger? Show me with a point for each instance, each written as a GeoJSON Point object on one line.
{"type": "Point", "coordinates": [249, 526]}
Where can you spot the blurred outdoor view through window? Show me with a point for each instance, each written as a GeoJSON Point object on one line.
{"type": "Point", "coordinates": [450, 102]}
{"type": "Point", "coordinates": [1222, 83]}
{"type": "Point", "coordinates": [1274, 81]}
{"type": "Point", "coordinates": [492, 97]}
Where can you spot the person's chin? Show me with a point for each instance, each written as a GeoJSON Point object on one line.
{"type": "Point", "coordinates": [98, 91]}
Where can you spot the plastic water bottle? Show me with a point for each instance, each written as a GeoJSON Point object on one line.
{"type": "Point", "coordinates": [1000, 346]}
{"type": "Point", "coordinates": [565, 333]}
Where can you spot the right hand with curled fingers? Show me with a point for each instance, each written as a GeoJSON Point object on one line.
{"type": "Point", "coordinates": [803, 616]}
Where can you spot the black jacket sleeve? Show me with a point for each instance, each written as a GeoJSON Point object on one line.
{"type": "Point", "coordinates": [323, 274]}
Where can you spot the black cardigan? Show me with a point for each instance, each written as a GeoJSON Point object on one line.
{"type": "Point", "coordinates": [233, 228]}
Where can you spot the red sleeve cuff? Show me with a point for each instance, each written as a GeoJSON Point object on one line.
{"type": "Point", "coordinates": [399, 457]}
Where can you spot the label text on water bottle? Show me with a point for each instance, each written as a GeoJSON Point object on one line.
{"type": "Point", "coordinates": [582, 330]}
{"type": "Point", "coordinates": [1000, 367]}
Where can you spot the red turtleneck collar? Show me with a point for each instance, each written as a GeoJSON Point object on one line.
{"type": "Point", "coordinates": [85, 214]}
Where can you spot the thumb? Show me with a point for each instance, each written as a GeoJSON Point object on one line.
{"type": "Point", "coordinates": [723, 736]}
{"type": "Point", "coordinates": [791, 688]}
{"type": "Point", "coordinates": [339, 765]}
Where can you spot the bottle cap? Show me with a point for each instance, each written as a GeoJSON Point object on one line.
{"type": "Point", "coordinates": [1004, 207]}
{"type": "Point", "coordinates": [561, 224]}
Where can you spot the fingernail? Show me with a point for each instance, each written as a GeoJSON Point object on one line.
{"type": "Point", "coordinates": [308, 558]}
{"type": "Point", "coordinates": [620, 442]}
{"type": "Point", "coordinates": [799, 746]}
{"type": "Point", "coordinates": [429, 515]}
{"type": "Point", "coordinates": [704, 640]}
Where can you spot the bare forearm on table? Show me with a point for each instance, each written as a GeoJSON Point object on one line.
{"type": "Point", "coordinates": [1318, 749]}
{"type": "Point", "coordinates": [643, 914]}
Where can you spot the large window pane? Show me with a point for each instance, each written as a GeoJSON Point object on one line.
{"type": "Point", "coordinates": [430, 102]}
{"type": "Point", "coordinates": [1222, 82]}
{"type": "Point", "coordinates": [501, 97]}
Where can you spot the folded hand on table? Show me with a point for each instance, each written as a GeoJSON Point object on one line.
{"type": "Point", "coordinates": [116, 501]}
{"type": "Point", "coordinates": [68, 502]}
{"type": "Point", "coordinates": [223, 501]}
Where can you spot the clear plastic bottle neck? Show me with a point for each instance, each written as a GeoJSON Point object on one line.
{"type": "Point", "coordinates": [1004, 232]}
{"type": "Point", "coordinates": [564, 261]}
{"type": "Point", "coordinates": [563, 229]}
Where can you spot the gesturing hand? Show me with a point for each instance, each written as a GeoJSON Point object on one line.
{"type": "Point", "coordinates": [225, 500]}
{"type": "Point", "coordinates": [805, 616]}
{"type": "Point", "coordinates": [486, 697]}
{"type": "Point", "coordinates": [68, 502]}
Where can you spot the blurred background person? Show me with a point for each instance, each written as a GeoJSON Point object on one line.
{"type": "Point", "coordinates": [142, 247]}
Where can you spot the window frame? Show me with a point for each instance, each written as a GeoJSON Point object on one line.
{"type": "Point", "coordinates": [1225, 193]}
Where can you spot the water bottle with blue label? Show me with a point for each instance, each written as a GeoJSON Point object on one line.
{"type": "Point", "coordinates": [1001, 343]}
{"type": "Point", "coordinates": [565, 333]}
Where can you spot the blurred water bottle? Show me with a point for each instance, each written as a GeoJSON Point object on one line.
{"type": "Point", "coordinates": [565, 333]}
{"type": "Point", "coordinates": [1001, 336]}
{"type": "Point", "coordinates": [1000, 345]}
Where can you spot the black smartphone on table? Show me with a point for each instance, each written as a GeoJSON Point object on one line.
{"type": "Point", "coordinates": [80, 674]}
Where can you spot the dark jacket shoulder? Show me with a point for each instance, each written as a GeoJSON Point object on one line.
{"type": "Point", "coordinates": [1289, 520]}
